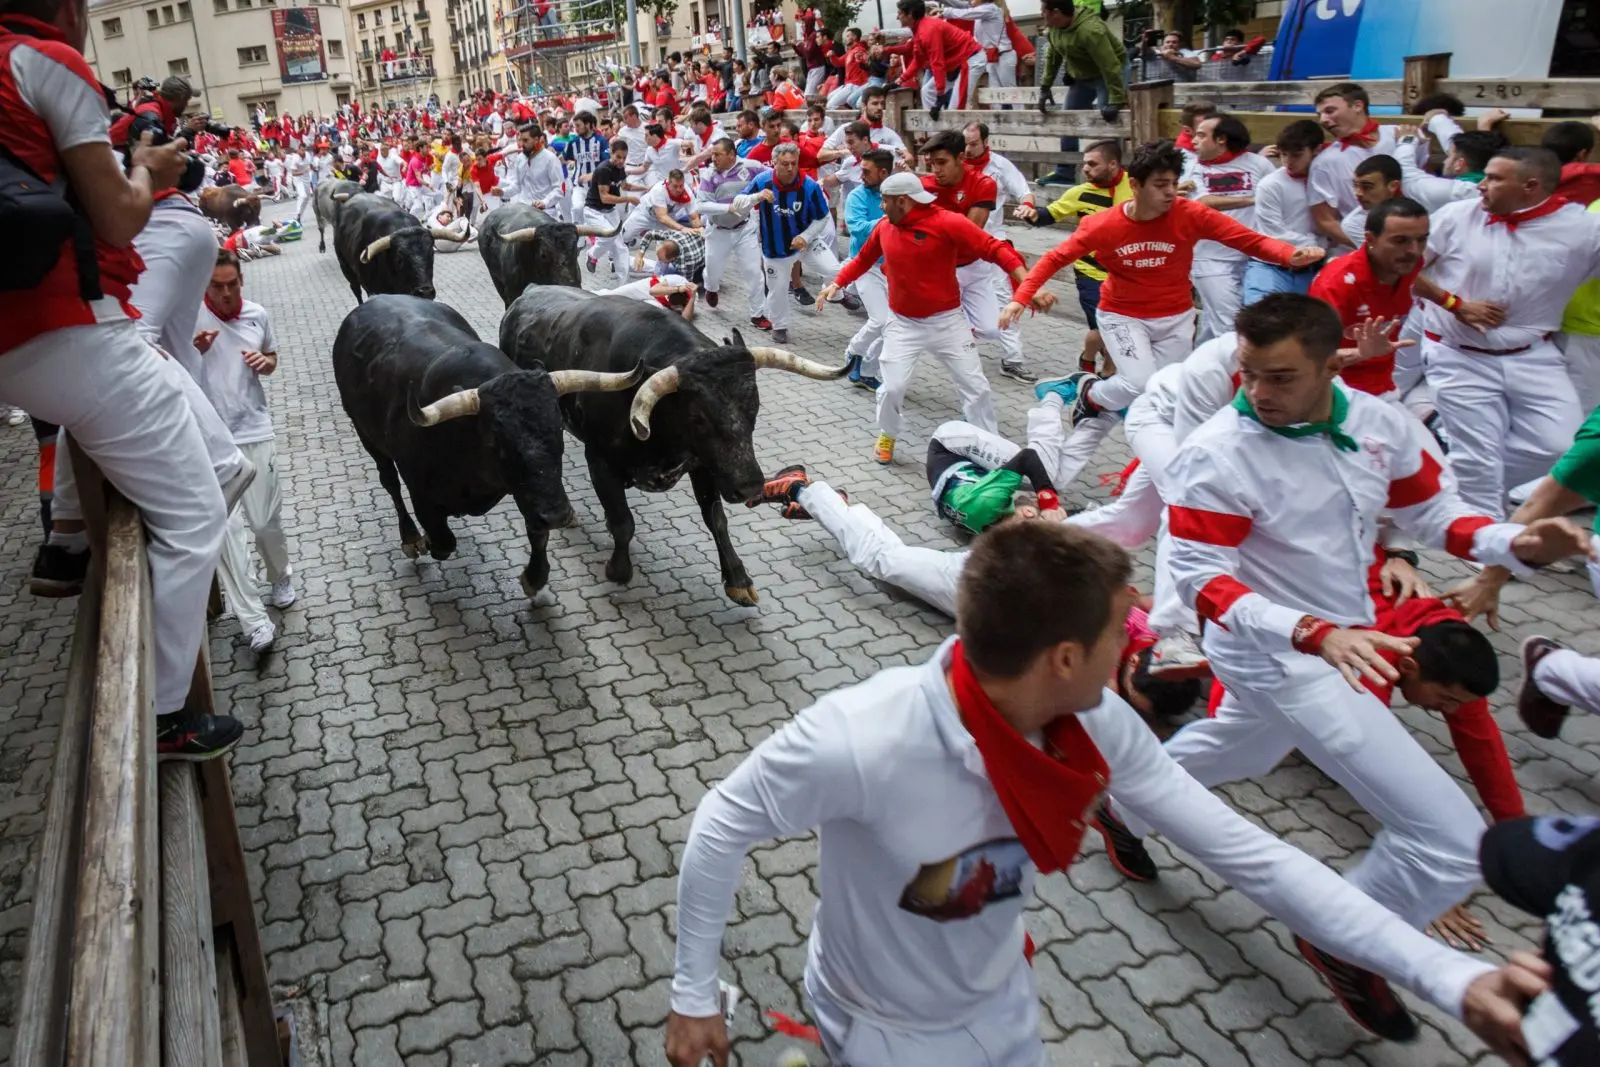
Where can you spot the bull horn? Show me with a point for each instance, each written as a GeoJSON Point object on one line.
{"type": "Point", "coordinates": [446, 408]}
{"type": "Point", "coordinates": [599, 231]}
{"type": "Point", "coordinates": [657, 386]}
{"type": "Point", "coordinates": [378, 247]}
{"type": "Point", "coordinates": [577, 381]}
{"type": "Point", "coordinates": [517, 237]}
{"type": "Point", "coordinates": [778, 359]}
{"type": "Point", "coordinates": [447, 235]}
{"type": "Point", "coordinates": [341, 197]}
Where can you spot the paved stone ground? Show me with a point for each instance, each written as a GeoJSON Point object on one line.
{"type": "Point", "coordinates": [462, 813]}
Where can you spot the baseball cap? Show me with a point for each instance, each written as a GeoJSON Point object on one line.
{"type": "Point", "coordinates": [1550, 866]}
{"type": "Point", "coordinates": [905, 185]}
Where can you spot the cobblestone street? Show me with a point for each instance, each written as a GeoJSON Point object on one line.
{"type": "Point", "coordinates": [462, 812]}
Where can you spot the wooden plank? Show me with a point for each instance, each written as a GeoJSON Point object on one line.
{"type": "Point", "coordinates": [230, 1020]}
{"type": "Point", "coordinates": [41, 1011]}
{"type": "Point", "coordinates": [1422, 74]}
{"type": "Point", "coordinates": [1083, 124]}
{"type": "Point", "coordinates": [115, 970]}
{"type": "Point", "coordinates": [190, 1031]}
{"type": "Point", "coordinates": [1575, 93]}
{"type": "Point", "coordinates": [1147, 102]}
{"type": "Point", "coordinates": [1228, 94]}
{"type": "Point", "coordinates": [1264, 127]}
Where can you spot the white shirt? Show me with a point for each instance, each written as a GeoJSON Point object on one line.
{"type": "Point", "coordinates": [1283, 210]}
{"type": "Point", "coordinates": [296, 165]}
{"type": "Point", "coordinates": [231, 386]}
{"type": "Point", "coordinates": [640, 290]}
{"type": "Point", "coordinates": [1008, 183]}
{"type": "Point", "coordinates": [1430, 190]}
{"type": "Point", "coordinates": [659, 197]}
{"type": "Point", "coordinates": [1531, 272]}
{"type": "Point", "coordinates": [881, 137]}
{"type": "Point", "coordinates": [659, 162]}
{"type": "Point", "coordinates": [1354, 225]}
{"type": "Point", "coordinates": [323, 165]}
{"type": "Point", "coordinates": [391, 164]}
{"type": "Point", "coordinates": [1332, 176]}
{"type": "Point", "coordinates": [899, 791]}
{"type": "Point", "coordinates": [533, 180]}
{"type": "Point", "coordinates": [274, 168]}
{"type": "Point", "coordinates": [1237, 177]}
{"type": "Point", "coordinates": [450, 169]}
{"type": "Point", "coordinates": [633, 137]}
{"type": "Point", "coordinates": [1209, 380]}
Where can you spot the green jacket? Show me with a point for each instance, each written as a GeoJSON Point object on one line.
{"type": "Point", "coordinates": [1091, 50]}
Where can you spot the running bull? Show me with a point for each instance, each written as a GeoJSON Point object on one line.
{"type": "Point", "coordinates": [460, 423]}
{"type": "Point", "coordinates": [523, 246]}
{"type": "Point", "coordinates": [382, 248]}
{"type": "Point", "coordinates": [331, 196]}
{"type": "Point", "coordinates": [232, 205]}
{"type": "Point", "coordinates": [693, 415]}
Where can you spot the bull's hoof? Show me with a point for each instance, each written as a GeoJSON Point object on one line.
{"type": "Point", "coordinates": [529, 587]}
{"type": "Point", "coordinates": [414, 546]}
{"type": "Point", "coordinates": [743, 595]}
{"type": "Point", "coordinates": [442, 550]}
{"type": "Point", "coordinates": [621, 573]}
{"type": "Point", "coordinates": [567, 521]}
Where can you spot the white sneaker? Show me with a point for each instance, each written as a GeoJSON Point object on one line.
{"type": "Point", "coordinates": [1176, 656]}
{"type": "Point", "coordinates": [282, 594]}
{"type": "Point", "coordinates": [263, 637]}
{"type": "Point", "coordinates": [16, 417]}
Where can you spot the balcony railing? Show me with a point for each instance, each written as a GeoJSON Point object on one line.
{"type": "Point", "coordinates": [406, 68]}
{"type": "Point", "coordinates": [420, 15]}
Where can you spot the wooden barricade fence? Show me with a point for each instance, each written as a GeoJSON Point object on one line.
{"type": "Point", "coordinates": [144, 947]}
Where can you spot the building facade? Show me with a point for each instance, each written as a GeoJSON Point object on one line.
{"type": "Point", "coordinates": [288, 59]}
{"type": "Point", "coordinates": [414, 49]}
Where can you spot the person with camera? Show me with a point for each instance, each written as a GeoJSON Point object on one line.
{"type": "Point", "coordinates": [70, 352]}
{"type": "Point", "coordinates": [1092, 59]}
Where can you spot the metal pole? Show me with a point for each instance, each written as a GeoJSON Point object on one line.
{"type": "Point", "coordinates": [633, 33]}
{"type": "Point", "coordinates": [741, 46]}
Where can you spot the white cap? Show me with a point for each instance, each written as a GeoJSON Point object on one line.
{"type": "Point", "coordinates": [904, 184]}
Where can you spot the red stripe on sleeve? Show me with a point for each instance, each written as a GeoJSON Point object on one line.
{"type": "Point", "coordinates": [1210, 527]}
{"type": "Point", "coordinates": [1458, 538]}
{"type": "Point", "coordinates": [1413, 489]}
{"type": "Point", "coordinates": [1217, 596]}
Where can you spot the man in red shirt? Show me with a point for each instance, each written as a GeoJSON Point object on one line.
{"type": "Point", "coordinates": [854, 65]}
{"type": "Point", "coordinates": [70, 352]}
{"type": "Point", "coordinates": [1146, 247]}
{"type": "Point", "coordinates": [948, 58]}
{"type": "Point", "coordinates": [920, 247]}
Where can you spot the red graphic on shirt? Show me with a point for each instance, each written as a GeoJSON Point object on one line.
{"type": "Point", "coordinates": [962, 886]}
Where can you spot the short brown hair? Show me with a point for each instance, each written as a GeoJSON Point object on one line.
{"type": "Point", "coordinates": [1349, 92]}
{"type": "Point", "coordinates": [1028, 586]}
{"type": "Point", "coordinates": [226, 258]}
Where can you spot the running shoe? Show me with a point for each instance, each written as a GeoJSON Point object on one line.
{"type": "Point", "coordinates": [1125, 851]}
{"type": "Point", "coordinates": [761, 322]}
{"type": "Point", "coordinates": [58, 571]}
{"type": "Point", "coordinates": [855, 367]}
{"type": "Point", "coordinates": [283, 593]}
{"type": "Point", "coordinates": [1066, 388]}
{"type": "Point", "coordinates": [1365, 995]}
{"type": "Point", "coordinates": [869, 383]}
{"type": "Point", "coordinates": [711, 298]}
{"type": "Point", "coordinates": [802, 296]}
{"type": "Point", "coordinates": [849, 301]}
{"type": "Point", "coordinates": [782, 487]}
{"type": "Point", "coordinates": [884, 452]}
{"type": "Point", "coordinates": [1016, 372]}
{"type": "Point", "coordinates": [780, 337]}
{"type": "Point", "coordinates": [1537, 711]}
{"type": "Point", "coordinates": [195, 738]}
{"type": "Point", "coordinates": [262, 636]}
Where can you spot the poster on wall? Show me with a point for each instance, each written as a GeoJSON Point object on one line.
{"type": "Point", "coordinates": [299, 34]}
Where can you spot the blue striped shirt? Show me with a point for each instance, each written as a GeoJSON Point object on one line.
{"type": "Point", "coordinates": [792, 211]}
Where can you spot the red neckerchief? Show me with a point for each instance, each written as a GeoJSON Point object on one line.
{"type": "Point", "coordinates": [1112, 184]}
{"type": "Point", "coordinates": [655, 281]}
{"type": "Point", "coordinates": [1226, 157]}
{"type": "Point", "coordinates": [1549, 207]}
{"type": "Point", "coordinates": [1185, 141]}
{"type": "Point", "coordinates": [1365, 137]}
{"type": "Point", "coordinates": [979, 163]}
{"type": "Point", "coordinates": [1049, 793]}
{"type": "Point", "coordinates": [684, 199]}
{"type": "Point", "coordinates": [224, 318]}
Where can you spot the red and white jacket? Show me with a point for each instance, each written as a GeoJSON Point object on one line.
{"type": "Point", "coordinates": [1266, 528]}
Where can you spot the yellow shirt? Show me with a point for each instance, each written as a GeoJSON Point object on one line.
{"type": "Point", "coordinates": [1081, 201]}
{"type": "Point", "coordinates": [1583, 313]}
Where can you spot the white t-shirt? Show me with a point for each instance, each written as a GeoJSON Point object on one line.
{"type": "Point", "coordinates": [1282, 210]}
{"type": "Point", "coordinates": [231, 386]}
{"type": "Point", "coordinates": [661, 160]}
{"type": "Point", "coordinates": [633, 137]}
{"type": "Point", "coordinates": [1238, 177]}
{"type": "Point", "coordinates": [640, 290]}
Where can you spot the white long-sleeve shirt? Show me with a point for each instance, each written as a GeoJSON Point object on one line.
{"type": "Point", "coordinates": [907, 815]}
{"type": "Point", "coordinates": [532, 179]}
{"type": "Point", "coordinates": [1430, 190]}
{"type": "Point", "coordinates": [1237, 177]}
{"type": "Point", "coordinates": [1268, 528]}
{"type": "Point", "coordinates": [1210, 378]}
{"type": "Point", "coordinates": [1009, 184]}
{"type": "Point", "coordinates": [1283, 210]}
{"type": "Point", "coordinates": [880, 135]}
{"type": "Point", "coordinates": [1531, 270]}
{"type": "Point", "coordinates": [988, 22]}
{"type": "Point", "coordinates": [1331, 179]}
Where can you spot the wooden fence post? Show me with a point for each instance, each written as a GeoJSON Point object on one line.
{"type": "Point", "coordinates": [895, 106]}
{"type": "Point", "coordinates": [1422, 74]}
{"type": "Point", "coordinates": [1145, 101]}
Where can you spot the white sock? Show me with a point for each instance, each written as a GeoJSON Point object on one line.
{"type": "Point", "coordinates": [72, 542]}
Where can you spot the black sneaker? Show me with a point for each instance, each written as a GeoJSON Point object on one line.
{"type": "Point", "coordinates": [1083, 409]}
{"type": "Point", "coordinates": [761, 322]}
{"type": "Point", "coordinates": [1125, 851]}
{"type": "Point", "coordinates": [850, 302]}
{"type": "Point", "coordinates": [1016, 372]}
{"type": "Point", "coordinates": [1366, 996]}
{"type": "Point", "coordinates": [711, 298]}
{"type": "Point", "coordinates": [802, 296]}
{"type": "Point", "coordinates": [195, 738]}
{"type": "Point", "coordinates": [58, 572]}
{"type": "Point", "coordinates": [780, 337]}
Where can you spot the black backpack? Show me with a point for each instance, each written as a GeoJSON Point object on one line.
{"type": "Point", "coordinates": [38, 219]}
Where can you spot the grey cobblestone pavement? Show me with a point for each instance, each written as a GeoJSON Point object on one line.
{"type": "Point", "coordinates": [462, 812]}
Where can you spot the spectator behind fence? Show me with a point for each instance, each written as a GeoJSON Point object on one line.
{"type": "Point", "coordinates": [1094, 61]}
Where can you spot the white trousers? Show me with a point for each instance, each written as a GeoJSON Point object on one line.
{"type": "Point", "coordinates": [962, 84]}
{"type": "Point", "coordinates": [302, 197]}
{"type": "Point", "coordinates": [1567, 678]}
{"type": "Point", "coordinates": [1140, 347]}
{"type": "Point", "coordinates": [1134, 517]}
{"type": "Point", "coordinates": [742, 247]}
{"type": "Point", "coordinates": [1221, 296]}
{"type": "Point", "coordinates": [259, 512]}
{"type": "Point", "coordinates": [929, 574]}
{"type": "Point", "coordinates": [945, 336]}
{"type": "Point", "coordinates": [846, 96]}
{"type": "Point", "coordinates": [109, 388]}
{"type": "Point", "coordinates": [614, 247]}
{"type": "Point", "coordinates": [1005, 1035]}
{"type": "Point", "coordinates": [981, 305]}
{"type": "Point", "coordinates": [1003, 71]}
{"type": "Point", "coordinates": [873, 289]}
{"type": "Point", "coordinates": [1424, 859]}
{"type": "Point", "coordinates": [1582, 353]}
{"type": "Point", "coordinates": [1509, 417]}
{"type": "Point", "coordinates": [817, 258]}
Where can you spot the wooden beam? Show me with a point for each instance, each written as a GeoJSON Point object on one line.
{"type": "Point", "coordinates": [116, 970]}
{"type": "Point", "coordinates": [1082, 124]}
{"type": "Point", "coordinates": [1147, 103]}
{"type": "Point", "coordinates": [1581, 94]}
{"type": "Point", "coordinates": [41, 1011]}
{"type": "Point", "coordinates": [1422, 76]}
{"type": "Point", "coordinates": [1264, 127]}
{"type": "Point", "coordinates": [190, 1031]}
{"type": "Point", "coordinates": [1249, 94]}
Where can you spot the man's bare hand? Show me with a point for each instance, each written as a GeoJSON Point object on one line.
{"type": "Point", "coordinates": [1492, 118]}
{"type": "Point", "coordinates": [690, 1041]}
{"type": "Point", "coordinates": [1372, 341]}
{"type": "Point", "coordinates": [1480, 595]}
{"type": "Point", "coordinates": [261, 362]}
{"type": "Point", "coordinates": [203, 340]}
{"type": "Point", "coordinates": [1307, 255]}
{"type": "Point", "coordinates": [1481, 315]}
{"type": "Point", "coordinates": [1026, 212]}
{"type": "Point", "coordinates": [1495, 1003]}
{"type": "Point", "coordinates": [826, 295]}
{"type": "Point", "coordinates": [1401, 582]}
{"type": "Point", "coordinates": [1547, 540]}
{"type": "Point", "coordinates": [1460, 929]}
{"type": "Point", "coordinates": [799, 244]}
{"type": "Point", "coordinates": [1358, 654]}
{"type": "Point", "coordinates": [166, 163]}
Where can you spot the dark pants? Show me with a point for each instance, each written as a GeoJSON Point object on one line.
{"type": "Point", "coordinates": [1085, 94]}
{"type": "Point", "coordinates": [1025, 463]}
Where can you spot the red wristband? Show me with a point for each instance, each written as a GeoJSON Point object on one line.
{"type": "Point", "coordinates": [1048, 500]}
{"type": "Point", "coordinates": [1309, 633]}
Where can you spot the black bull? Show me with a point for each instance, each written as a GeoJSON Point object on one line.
{"type": "Point", "coordinates": [693, 415]}
{"type": "Point", "coordinates": [455, 419]}
{"type": "Point", "coordinates": [523, 246]}
{"type": "Point", "coordinates": [382, 248]}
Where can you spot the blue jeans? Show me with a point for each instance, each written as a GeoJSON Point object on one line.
{"type": "Point", "coordinates": [1263, 278]}
{"type": "Point", "coordinates": [1082, 95]}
